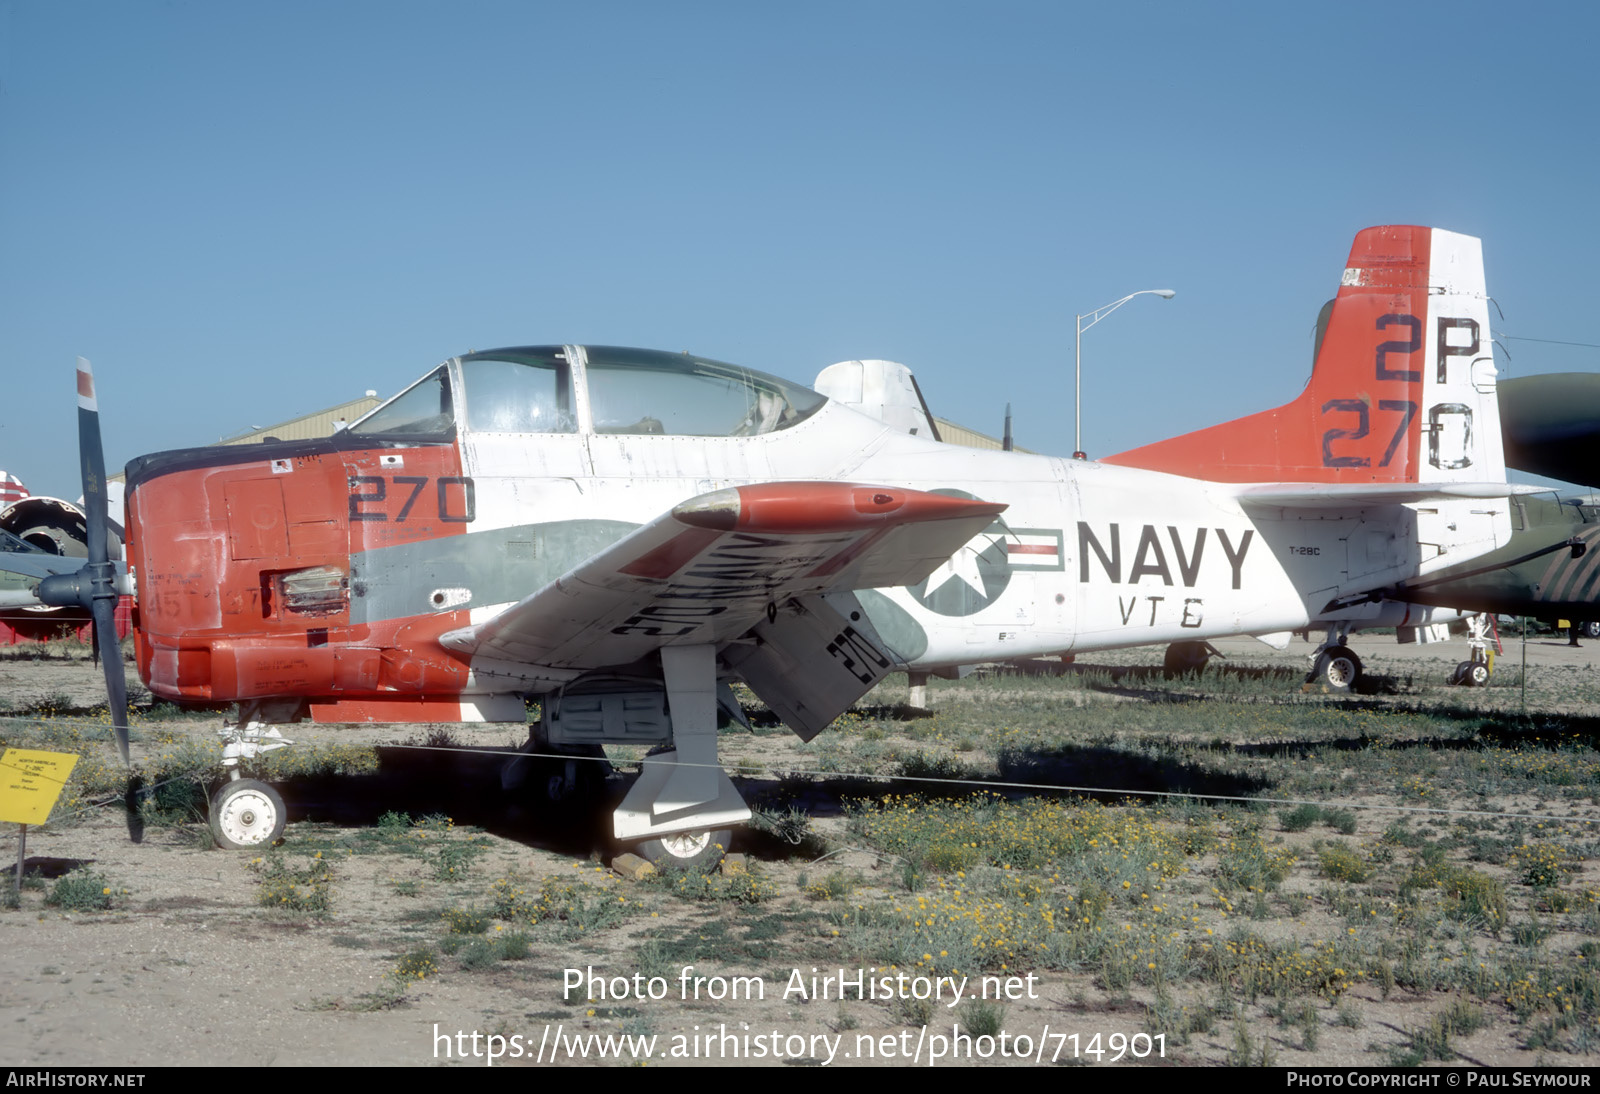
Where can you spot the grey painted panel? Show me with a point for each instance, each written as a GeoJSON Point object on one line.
{"type": "Point", "coordinates": [499, 566]}
{"type": "Point", "coordinates": [904, 636]}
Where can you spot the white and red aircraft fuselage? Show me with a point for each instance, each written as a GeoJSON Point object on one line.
{"type": "Point", "coordinates": [625, 531]}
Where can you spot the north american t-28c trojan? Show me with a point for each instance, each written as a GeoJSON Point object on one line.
{"type": "Point", "coordinates": [623, 532]}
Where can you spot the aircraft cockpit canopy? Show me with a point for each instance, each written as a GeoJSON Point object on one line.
{"type": "Point", "coordinates": [629, 392]}
{"type": "Point", "coordinates": [646, 391]}
{"type": "Point", "coordinates": [423, 410]}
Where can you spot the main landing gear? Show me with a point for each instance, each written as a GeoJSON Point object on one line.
{"type": "Point", "coordinates": [682, 809]}
{"type": "Point", "coordinates": [1187, 658]}
{"type": "Point", "coordinates": [1476, 670]}
{"type": "Point", "coordinates": [698, 850]}
{"type": "Point", "coordinates": [1333, 664]}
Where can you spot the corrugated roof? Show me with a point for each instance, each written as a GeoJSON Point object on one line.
{"type": "Point", "coordinates": [317, 424]}
{"type": "Point", "coordinates": [951, 433]}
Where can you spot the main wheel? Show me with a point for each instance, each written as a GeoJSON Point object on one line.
{"type": "Point", "coordinates": [1182, 658]}
{"type": "Point", "coordinates": [1338, 668]}
{"type": "Point", "coordinates": [1476, 674]}
{"type": "Point", "coordinates": [559, 782]}
{"type": "Point", "coordinates": [246, 813]}
{"type": "Point", "coordinates": [700, 850]}
{"type": "Point", "coordinates": [1590, 629]}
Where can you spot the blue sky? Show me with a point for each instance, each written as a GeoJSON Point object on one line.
{"type": "Point", "coordinates": [243, 212]}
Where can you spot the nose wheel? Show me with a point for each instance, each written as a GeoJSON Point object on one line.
{"type": "Point", "coordinates": [246, 813]}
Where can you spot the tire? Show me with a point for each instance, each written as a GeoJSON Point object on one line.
{"type": "Point", "coordinates": [1476, 675]}
{"type": "Point", "coordinates": [1182, 658]}
{"type": "Point", "coordinates": [1337, 668]}
{"type": "Point", "coordinates": [1458, 675]}
{"type": "Point", "coordinates": [247, 813]}
{"type": "Point", "coordinates": [1590, 629]}
{"type": "Point", "coordinates": [700, 850]}
{"type": "Point", "coordinates": [552, 788]}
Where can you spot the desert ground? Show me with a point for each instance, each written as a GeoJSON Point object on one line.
{"type": "Point", "coordinates": [416, 913]}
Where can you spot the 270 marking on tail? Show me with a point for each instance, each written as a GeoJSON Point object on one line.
{"type": "Point", "coordinates": [1406, 408]}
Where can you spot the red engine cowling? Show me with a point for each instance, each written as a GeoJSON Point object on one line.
{"type": "Point", "coordinates": [242, 560]}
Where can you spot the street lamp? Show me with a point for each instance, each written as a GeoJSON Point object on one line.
{"type": "Point", "coordinates": [1095, 317]}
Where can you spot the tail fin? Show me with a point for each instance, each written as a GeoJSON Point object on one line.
{"type": "Point", "coordinates": [1403, 389]}
{"type": "Point", "coordinates": [11, 489]}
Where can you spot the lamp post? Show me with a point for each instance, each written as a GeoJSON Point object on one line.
{"type": "Point", "coordinates": [1095, 317]}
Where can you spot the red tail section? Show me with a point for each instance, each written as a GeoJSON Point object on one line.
{"type": "Point", "coordinates": [1402, 389]}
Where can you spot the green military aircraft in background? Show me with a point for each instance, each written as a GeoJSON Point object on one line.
{"type": "Point", "coordinates": [1550, 571]}
{"type": "Point", "coordinates": [1550, 426]}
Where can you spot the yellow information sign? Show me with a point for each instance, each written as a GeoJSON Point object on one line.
{"type": "Point", "coordinates": [30, 783]}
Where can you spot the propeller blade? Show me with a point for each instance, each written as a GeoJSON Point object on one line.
{"type": "Point", "coordinates": [102, 572]}
{"type": "Point", "coordinates": [94, 587]}
{"type": "Point", "coordinates": [132, 797]}
{"type": "Point", "coordinates": [92, 460]}
{"type": "Point", "coordinates": [110, 649]}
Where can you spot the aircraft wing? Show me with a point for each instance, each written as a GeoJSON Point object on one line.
{"type": "Point", "coordinates": [38, 564]}
{"type": "Point", "coordinates": [1327, 495]}
{"type": "Point", "coordinates": [721, 563]}
{"type": "Point", "coordinates": [21, 568]}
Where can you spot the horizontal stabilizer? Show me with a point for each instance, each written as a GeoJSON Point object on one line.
{"type": "Point", "coordinates": [1341, 496]}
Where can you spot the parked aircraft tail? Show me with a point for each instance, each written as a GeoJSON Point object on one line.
{"type": "Point", "coordinates": [1402, 391]}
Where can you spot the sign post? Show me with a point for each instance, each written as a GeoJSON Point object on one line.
{"type": "Point", "coordinates": [30, 783]}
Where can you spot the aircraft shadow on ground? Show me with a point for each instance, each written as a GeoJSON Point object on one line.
{"type": "Point", "coordinates": [1092, 771]}
{"type": "Point", "coordinates": [467, 789]}
{"type": "Point", "coordinates": [466, 786]}
{"type": "Point", "coordinates": [1109, 774]}
{"type": "Point", "coordinates": [1153, 682]}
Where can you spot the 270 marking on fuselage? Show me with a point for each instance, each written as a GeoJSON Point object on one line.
{"type": "Point", "coordinates": [373, 490]}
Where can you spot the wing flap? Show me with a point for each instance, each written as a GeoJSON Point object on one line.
{"type": "Point", "coordinates": [812, 660]}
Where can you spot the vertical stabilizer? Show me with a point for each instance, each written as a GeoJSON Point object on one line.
{"type": "Point", "coordinates": [1403, 389]}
